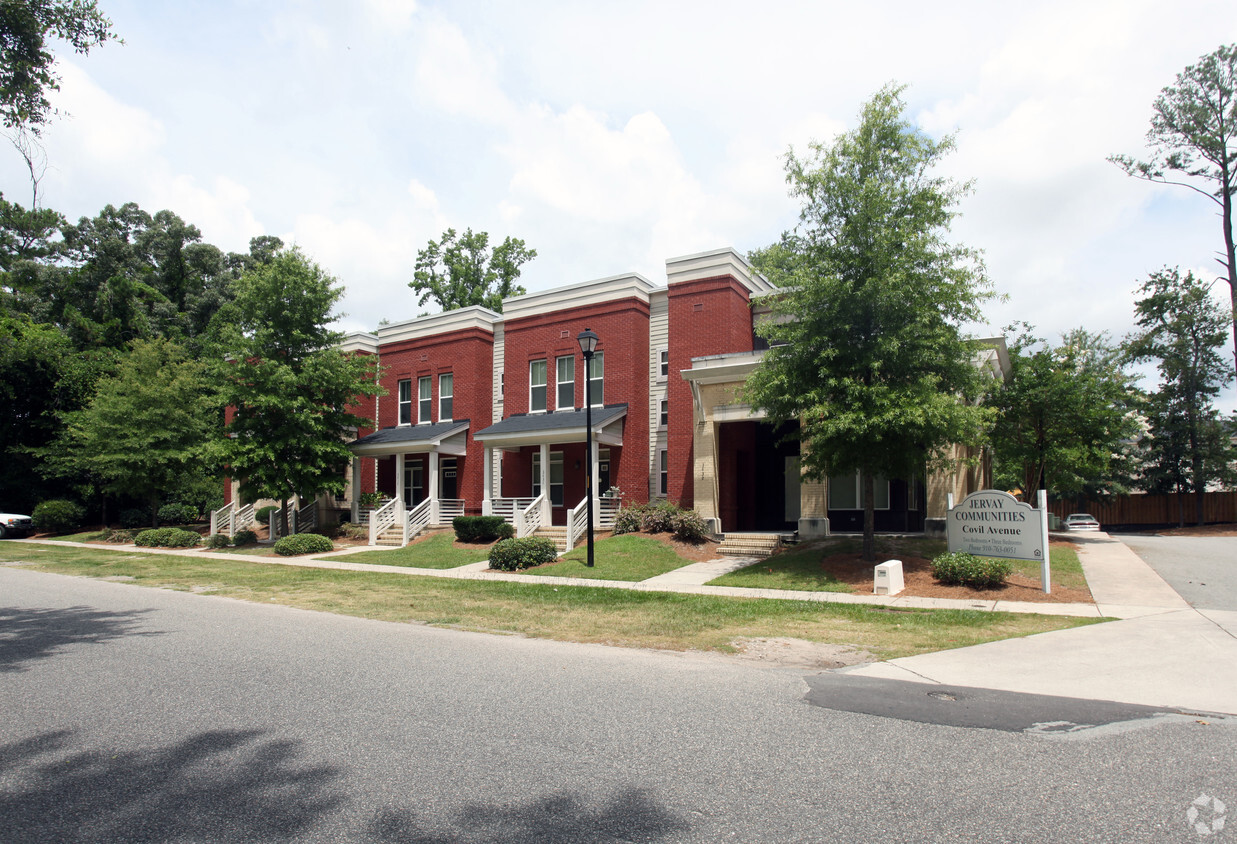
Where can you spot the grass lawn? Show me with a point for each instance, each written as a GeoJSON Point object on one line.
{"type": "Point", "coordinates": [800, 568]}
{"type": "Point", "coordinates": [435, 551]}
{"type": "Point", "coordinates": [83, 536]}
{"type": "Point", "coordinates": [627, 557]}
{"type": "Point", "coordinates": [569, 613]}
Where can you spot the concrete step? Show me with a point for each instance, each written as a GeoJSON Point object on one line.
{"type": "Point", "coordinates": [749, 544]}
{"type": "Point", "coordinates": [557, 534]}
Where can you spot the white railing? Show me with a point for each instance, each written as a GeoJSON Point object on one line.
{"type": "Point", "coordinates": [243, 518]}
{"type": "Point", "coordinates": [364, 513]}
{"type": "Point", "coordinates": [508, 507]}
{"type": "Point", "coordinates": [529, 519]}
{"type": "Point", "coordinates": [449, 508]}
{"type": "Point", "coordinates": [417, 520]}
{"type": "Point", "coordinates": [383, 518]}
{"type": "Point", "coordinates": [221, 520]}
{"type": "Point", "coordinates": [607, 509]}
{"type": "Point", "coordinates": [577, 523]}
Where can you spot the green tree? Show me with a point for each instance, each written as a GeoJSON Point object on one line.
{"type": "Point", "coordinates": [1065, 417]}
{"type": "Point", "coordinates": [27, 66]}
{"type": "Point", "coordinates": [290, 392]}
{"type": "Point", "coordinates": [146, 427]}
{"type": "Point", "coordinates": [1193, 139]}
{"type": "Point", "coordinates": [875, 368]}
{"type": "Point", "coordinates": [462, 271]}
{"type": "Point", "coordinates": [1183, 329]}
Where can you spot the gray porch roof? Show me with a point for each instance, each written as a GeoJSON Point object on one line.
{"type": "Point", "coordinates": [566, 426]}
{"type": "Point", "coordinates": [441, 436]}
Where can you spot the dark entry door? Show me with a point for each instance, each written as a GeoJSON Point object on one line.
{"type": "Point", "coordinates": [449, 483]}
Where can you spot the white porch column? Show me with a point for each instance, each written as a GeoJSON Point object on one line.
{"type": "Point", "coordinates": [433, 495]}
{"type": "Point", "coordinates": [545, 483]}
{"type": "Point", "coordinates": [356, 490]}
{"type": "Point", "coordinates": [399, 479]}
{"type": "Point", "coordinates": [487, 485]}
{"type": "Point", "coordinates": [595, 470]}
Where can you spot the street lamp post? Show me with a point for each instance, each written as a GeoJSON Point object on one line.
{"type": "Point", "coordinates": [588, 345]}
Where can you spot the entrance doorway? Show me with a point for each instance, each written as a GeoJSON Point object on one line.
{"type": "Point", "coordinates": [757, 476]}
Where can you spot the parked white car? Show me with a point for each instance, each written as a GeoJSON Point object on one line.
{"type": "Point", "coordinates": [1081, 521]}
{"type": "Point", "coordinates": [11, 524]}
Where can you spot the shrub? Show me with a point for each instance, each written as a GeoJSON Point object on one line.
{"type": "Point", "coordinates": [168, 537]}
{"type": "Point", "coordinates": [354, 531]}
{"type": "Point", "coordinates": [263, 514]}
{"type": "Point", "coordinates": [659, 517]}
{"type": "Point", "coordinates": [120, 537]}
{"type": "Point", "coordinates": [244, 537]}
{"type": "Point", "coordinates": [303, 543]}
{"type": "Point", "coordinates": [57, 515]}
{"type": "Point", "coordinates": [689, 526]}
{"type": "Point", "coordinates": [217, 540]}
{"type": "Point", "coordinates": [134, 517]}
{"type": "Point", "coordinates": [481, 528]}
{"type": "Point", "coordinates": [328, 529]}
{"type": "Point", "coordinates": [178, 514]}
{"type": "Point", "coordinates": [370, 500]}
{"type": "Point", "coordinates": [629, 520]}
{"type": "Point", "coordinates": [515, 554]}
{"type": "Point", "coordinates": [961, 568]}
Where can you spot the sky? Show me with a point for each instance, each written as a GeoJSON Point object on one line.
{"type": "Point", "coordinates": [613, 136]}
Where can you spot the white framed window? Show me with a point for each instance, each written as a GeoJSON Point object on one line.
{"type": "Point", "coordinates": [846, 492]}
{"type": "Point", "coordinates": [596, 379]}
{"type": "Point", "coordinates": [565, 398]}
{"type": "Point", "coordinates": [663, 413]}
{"type": "Point", "coordinates": [536, 386]}
{"type": "Point", "coordinates": [663, 364]}
{"type": "Point", "coordinates": [663, 472]}
{"type": "Point", "coordinates": [405, 402]}
{"type": "Point", "coordinates": [446, 396]}
{"type": "Point", "coordinates": [425, 405]}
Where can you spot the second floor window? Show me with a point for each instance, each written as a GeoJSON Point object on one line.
{"type": "Point", "coordinates": [424, 402]}
{"type": "Point", "coordinates": [446, 396]}
{"type": "Point", "coordinates": [536, 386]}
{"type": "Point", "coordinates": [405, 402]}
{"type": "Point", "coordinates": [663, 418]}
{"type": "Point", "coordinates": [596, 379]}
{"type": "Point", "coordinates": [566, 397]}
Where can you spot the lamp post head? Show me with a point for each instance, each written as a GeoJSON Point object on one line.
{"type": "Point", "coordinates": [588, 342]}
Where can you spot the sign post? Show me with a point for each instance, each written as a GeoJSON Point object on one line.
{"type": "Point", "coordinates": [991, 523]}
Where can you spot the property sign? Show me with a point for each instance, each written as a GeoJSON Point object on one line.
{"type": "Point", "coordinates": [991, 523]}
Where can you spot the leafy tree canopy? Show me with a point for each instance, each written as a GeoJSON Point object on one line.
{"type": "Point", "coordinates": [874, 365]}
{"type": "Point", "coordinates": [27, 66]}
{"type": "Point", "coordinates": [1193, 139]}
{"type": "Point", "coordinates": [460, 271]}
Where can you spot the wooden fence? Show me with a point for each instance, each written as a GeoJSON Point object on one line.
{"type": "Point", "coordinates": [1152, 510]}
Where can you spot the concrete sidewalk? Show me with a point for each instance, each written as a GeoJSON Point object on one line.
{"type": "Point", "coordinates": [1162, 652]}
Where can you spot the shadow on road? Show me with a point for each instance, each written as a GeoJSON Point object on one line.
{"type": "Point", "coordinates": [555, 819]}
{"type": "Point", "coordinates": [30, 634]}
{"type": "Point", "coordinates": [223, 785]}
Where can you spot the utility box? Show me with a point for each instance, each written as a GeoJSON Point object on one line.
{"type": "Point", "coordinates": [889, 580]}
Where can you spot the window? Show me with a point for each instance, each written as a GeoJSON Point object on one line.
{"type": "Point", "coordinates": [846, 492]}
{"type": "Point", "coordinates": [536, 386]}
{"type": "Point", "coordinates": [663, 364]}
{"type": "Point", "coordinates": [596, 379]}
{"type": "Point", "coordinates": [566, 398]}
{"type": "Point", "coordinates": [425, 403]}
{"type": "Point", "coordinates": [405, 402]}
{"type": "Point", "coordinates": [446, 391]}
{"type": "Point", "coordinates": [663, 415]}
{"type": "Point", "coordinates": [912, 493]}
{"type": "Point", "coordinates": [663, 472]}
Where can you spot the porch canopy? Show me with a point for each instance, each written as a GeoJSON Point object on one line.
{"type": "Point", "coordinates": [450, 438]}
{"type": "Point", "coordinates": [544, 429]}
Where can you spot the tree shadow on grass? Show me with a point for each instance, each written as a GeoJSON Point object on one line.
{"type": "Point", "coordinates": [221, 785]}
{"type": "Point", "coordinates": [563, 818]}
{"type": "Point", "coordinates": [30, 634]}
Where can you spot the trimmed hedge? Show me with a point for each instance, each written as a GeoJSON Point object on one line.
{"type": "Point", "coordinates": [178, 514]}
{"type": "Point", "coordinates": [516, 554]}
{"type": "Point", "coordinates": [244, 537]}
{"type": "Point", "coordinates": [217, 540]}
{"type": "Point", "coordinates": [481, 528]}
{"type": "Point", "coordinates": [303, 543]}
{"type": "Point", "coordinates": [958, 568]}
{"type": "Point", "coordinates": [57, 515]}
{"type": "Point", "coordinates": [168, 537]}
{"type": "Point", "coordinates": [263, 514]}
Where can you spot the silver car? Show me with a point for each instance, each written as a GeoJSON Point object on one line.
{"type": "Point", "coordinates": [1081, 521]}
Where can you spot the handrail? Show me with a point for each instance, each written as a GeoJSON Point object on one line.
{"type": "Point", "coordinates": [307, 517]}
{"type": "Point", "coordinates": [509, 507]}
{"type": "Point", "coordinates": [577, 522]}
{"type": "Point", "coordinates": [417, 519]}
{"type": "Point", "coordinates": [221, 519]}
{"type": "Point", "coordinates": [449, 508]}
{"type": "Point", "coordinates": [607, 509]}
{"type": "Point", "coordinates": [381, 519]}
{"type": "Point", "coordinates": [243, 518]}
{"type": "Point", "coordinates": [529, 519]}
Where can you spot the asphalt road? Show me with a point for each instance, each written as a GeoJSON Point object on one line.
{"type": "Point", "coordinates": [1202, 569]}
{"type": "Point", "coordinates": [133, 714]}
